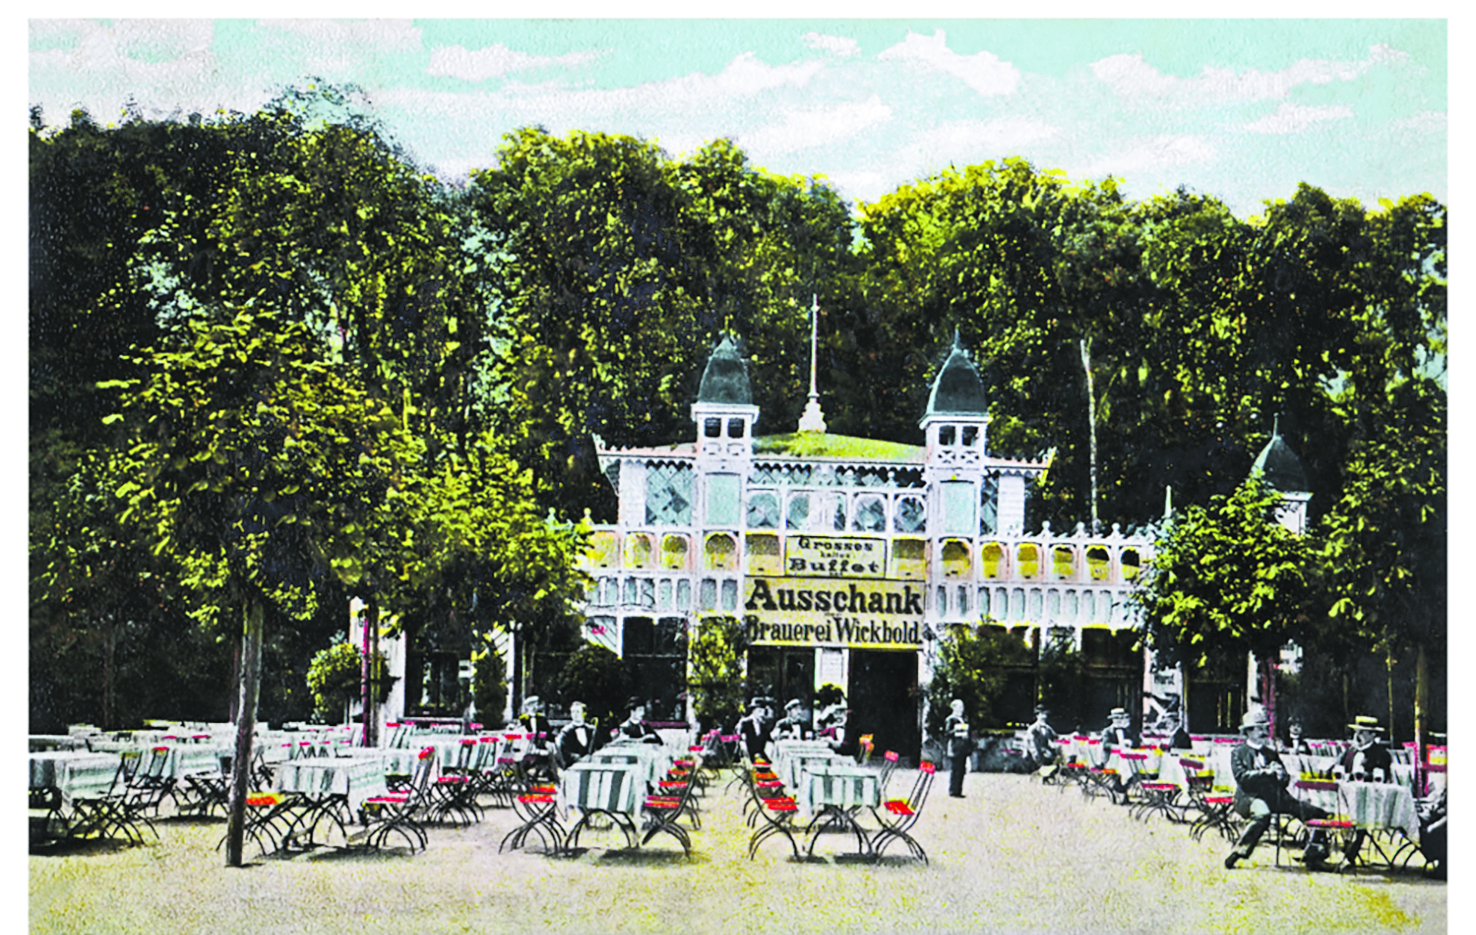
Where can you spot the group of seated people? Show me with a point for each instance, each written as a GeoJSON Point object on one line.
{"type": "Point", "coordinates": [757, 729]}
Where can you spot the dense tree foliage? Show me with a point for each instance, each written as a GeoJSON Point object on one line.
{"type": "Point", "coordinates": [272, 364]}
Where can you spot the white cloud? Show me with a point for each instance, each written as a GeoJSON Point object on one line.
{"type": "Point", "coordinates": [982, 71]}
{"type": "Point", "coordinates": [747, 75]}
{"type": "Point", "coordinates": [455, 61]}
{"type": "Point", "coordinates": [1151, 153]}
{"type": "Point", "coordinates": [816, 127]}
{"type": "Point", "coordinates": [1293, 118]}
{"type": "Point", "coordinates": [838, 45]}
{"type": "Point", "coordinates": [1132, 77]}
{"type": "Point", "coordinates": [162, 62]}
{"type": "Point", "coordinates": [368, 35]}
{"type": "Point", "coordinates": [1426, 121]}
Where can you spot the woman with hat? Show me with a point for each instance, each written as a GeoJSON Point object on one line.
{"type": "Point", "coordinates": [1260, 792]}
{"type": "Point", "coordinates": [635, 726]}
{"type": "Point", "coordinates": [1366, 761]}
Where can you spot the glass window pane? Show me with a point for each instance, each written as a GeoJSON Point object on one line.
{"type": "Point", "coordinates": [871, 515]}
{"type": "Point", "coordinates": [735, 428]}
{"type": "Point", "coordinates": [663, 594]}
{"type": "Point", "coordinates": [707, 596]}
{"type": "Point", "coordinates": [674, 552]}
{"type": "Point", "coordinates": [722, 499]}
{"type": "Point", "coordinates": [683, 593]}
{"type": "Point", "coordinates": [946, 434]}
{"type": "Point", "coordinates": [763, 510]}
{"type": "Point", "coordinates": [730, 594]}
{"type": "Point", "coordinates": [712, 427]}
{"type": "Point", "coordinates": [912, 515]}
{"type": "Point", "coordinates": [648, 592]}
{"type": "Point", "coordinates": [799, 511]}
{"type": "Point", "coordinates": [669, 495]}
{"type": "Point", "coordinates": [721, 553]}
{"type": "Point", "coordinates": [958, 508]}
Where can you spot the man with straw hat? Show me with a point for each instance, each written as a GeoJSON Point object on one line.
{"type": "Point", "coordinates": [1260, 792]}
{"type": "Point", "coordinates": [1366, 761]}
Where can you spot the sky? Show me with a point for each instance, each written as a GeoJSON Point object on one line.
{"type": "Point", "coordinates": [1241, 110]}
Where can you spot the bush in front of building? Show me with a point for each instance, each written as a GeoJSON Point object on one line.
{"type": "Point", "coordinates": [489, 688]}
{"type": "Point", "coordinates": [597, 677]}
{"type": "Point", "coordinates": [715, 672]}
{"type": "Point", "coordinates": [336, 679]}
{"type": "Point", "coordinates": [970, 667]}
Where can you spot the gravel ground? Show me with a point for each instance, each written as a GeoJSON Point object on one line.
{"type": "Point", "coordinates": [1013, 856]}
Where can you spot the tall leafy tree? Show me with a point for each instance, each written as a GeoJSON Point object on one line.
{"type": "Point", "coordinates": [259, 467]}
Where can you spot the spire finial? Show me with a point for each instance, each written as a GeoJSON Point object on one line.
{"type": "Point", "coordinates": [813, 420]}
{"type": "Point", "coordinates": [1275, 425]}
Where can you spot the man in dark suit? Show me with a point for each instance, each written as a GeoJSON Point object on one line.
{"type": "Point", "coordinates": [534, 723]}
{"type": "Point", "coordinates": [752, 731]}
{"type": "Point", "coordinates": [1366, 761]}
{"type": "Point", "coordinates": [1118, 735]}
{"type": "Point", "coordinates": [956, 729]}
{"type": "Point", "coordinates": [1041, 743]}
{"type": "Point", "coordinates": [578, 738]}
{"type": "Point", "coordinates": [794, 725]}
{"type": "Point", "coordinates": [1260, 792]}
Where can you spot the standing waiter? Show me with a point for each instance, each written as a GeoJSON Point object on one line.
{"type": "Point", "coordinates": [956, 727]}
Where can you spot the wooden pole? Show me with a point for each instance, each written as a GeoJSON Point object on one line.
{"type": "Point", "coordinates": [1419, 718]}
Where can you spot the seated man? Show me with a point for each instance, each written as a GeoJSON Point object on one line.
{"type": "Point", "coordinates": [1179, 738]}
{"type": "Point", "coordinates": [1366, 761]}
{"type": "Point", "coordinates": [1433, 824]}
{"type": "Point", "coordinates": [751, 730]}
{"type": "Point", "coordinates": [534, 723]}
{"type": "Point", "coordinates": [1260, 792]}
{"type": "Point", "coordinates": [840, 737]}
{"type": "Point", "coordinates": [578, 738]}
{"type": "Point", "coordinates": [794, 725]}
{"type": "Point", "coordinates": [635, 727]}
{"type": "Point", "coordinates": [1041, 743]}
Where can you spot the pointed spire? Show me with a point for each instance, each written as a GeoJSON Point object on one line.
{"type": "Point", "coordinates": [1280, 467]}
{"type": "Point", "coordinates": [725, 380]}
{"type": "Point", "coordinates": [813, 420]}
{"type": "Point", "coordinates": [958, 387]}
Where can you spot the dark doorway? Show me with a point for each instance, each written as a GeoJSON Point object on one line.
{"type": "Point", "coordinates": [883, 696]}
{"type": "Point", "coordinates": [782, 673]}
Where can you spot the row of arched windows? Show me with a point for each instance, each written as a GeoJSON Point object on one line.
{"type": "Point", "coordinates": [1027, 561]}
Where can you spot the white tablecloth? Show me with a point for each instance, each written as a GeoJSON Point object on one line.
{"type": "Point", "coordinates": [357, 778]}
{"type": "Point", "coordinates": [75, 774]}
{"type": "Point", "coordinates": [845, 786]}
{"type": "Point", "coordinates": [651, 759]}
{"type": "Point", "coordinates": [613, 787]}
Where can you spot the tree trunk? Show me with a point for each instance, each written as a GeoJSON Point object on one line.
{"type": "Point", "coordinates": [371, 711]}
{"type": "Point", "coordinates": [109, 641]}
{"type": "Point", "coordinates": [517, 681]}
{"type": "Point", "coordinates": [1389, 687]}
{"type": "Point", "coordinates": [1421, 699]}
{"type": "Point", "coordinates": [250, 686]}
{"type": "Point", "coordinates": [1086, 365]}
{"type": "Point", "coordinates": [365, 667]}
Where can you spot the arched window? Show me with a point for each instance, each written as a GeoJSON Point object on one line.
{"type": "Point", "coordinates": [720, 553]}
{"type": "Point", "coordinates": [956, 559]}
{"type": "Point", "coordinates": [1099, 562]}
{"type": "Point", "coordinates": [1029, 560]}
{"type": "Point", "coordinates": [1130, 564]}
{"type": "Point", "coordinates": [637, 550]}
{"type": "Point", "coordinates": [674, 552]}
{"type": "Point", "coordinates": [991, 558]}
{"type": "Point", "coordinates": [1063, 562]}
{"type": "Point", "coordinates": [603, 549]}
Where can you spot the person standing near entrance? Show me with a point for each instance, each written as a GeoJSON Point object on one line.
{"type": "Point", "coordinates": [752, 731]}
{"type": "Point", "coordinates": [956, 728]}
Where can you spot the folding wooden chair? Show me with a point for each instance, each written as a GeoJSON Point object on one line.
{"type": "Point", "coordinates": [902, 814]}
{"type": "Point", "coordinates": [399, 813]}
{"type": "Point", "coordinates": [661, 813]}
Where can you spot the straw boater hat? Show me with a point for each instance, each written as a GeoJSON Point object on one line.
{"type": "Point", "coordinates": [1364, 722]}
{"type": "Point", "coordinates": [1117, 713]}
{"type": "Point", "coordinates": [793, 704]}
{"type": "Point", "coordinates": [1256, 718]}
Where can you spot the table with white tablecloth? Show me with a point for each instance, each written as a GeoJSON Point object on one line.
{"type": "Point", "coordinates": [616, 790]}
{"type": "Point", "coordinates": [833, 794]}
{"type": "Point", "coordinates": [74, 774]}
{"type": "Point", "coordinates": [353, 778]}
